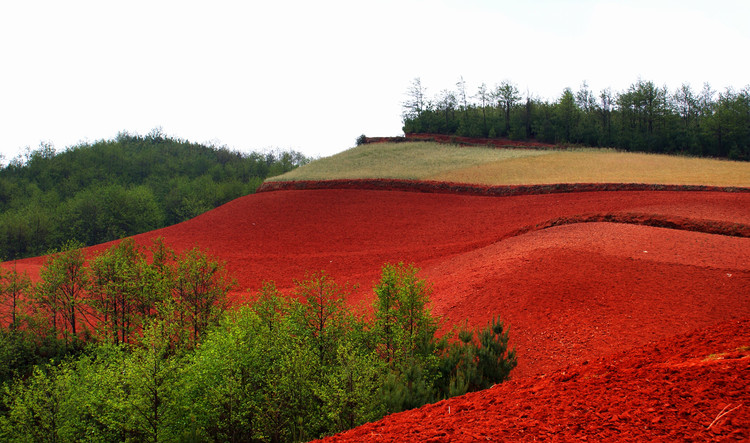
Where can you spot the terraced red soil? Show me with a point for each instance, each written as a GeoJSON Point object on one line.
{"type": "Point", "coordinates": [571, 292]}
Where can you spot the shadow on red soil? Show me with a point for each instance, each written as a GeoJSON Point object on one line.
{"type": "Point", "coordinates": [636, 282]}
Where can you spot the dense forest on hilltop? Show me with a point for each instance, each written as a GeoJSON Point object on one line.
{"type": "Point", "coordinates": [94, 193]}
{"type": "Point", "coordinates": [645, 117]}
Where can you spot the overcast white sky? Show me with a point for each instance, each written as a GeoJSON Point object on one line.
{"type": "Point", "coordinates": [314, 75]}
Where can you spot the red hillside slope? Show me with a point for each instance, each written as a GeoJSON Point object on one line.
{"type": "Point", "coordinates": [584, 288]}
{"type": "Point", "coordinates": [570, 292]}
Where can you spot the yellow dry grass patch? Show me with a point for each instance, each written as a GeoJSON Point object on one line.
{"type": "Point", "coordinates": [411, 161]}
{"type": "Point", "coordinates": [602, 166]}
{"type": "Point", "coordinates": [487, 166]}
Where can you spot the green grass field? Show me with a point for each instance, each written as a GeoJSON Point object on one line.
{"type": "Point", "coordinates": [481, 165]}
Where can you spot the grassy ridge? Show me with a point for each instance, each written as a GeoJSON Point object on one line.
{"type": "Point", "coordinates": [479, 165]}
{"type": "Point", "coordinates": [603, 166]}
{"type": "Point", "coordinates": [414, 161]}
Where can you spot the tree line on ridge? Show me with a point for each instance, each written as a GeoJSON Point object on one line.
{"type": "Point", "coordinates": [644, 117]}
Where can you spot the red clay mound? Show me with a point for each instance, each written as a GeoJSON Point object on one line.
{"type": "Point", "coordinates": [577, 291]}
{"type": "Point", "coordinates": [692, 387]}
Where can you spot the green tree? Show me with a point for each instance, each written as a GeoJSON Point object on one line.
{"type": "Point", "coordinates": [506, 95]}
{"type": "Point", "coordinates": [152, 383]}
{"type": "Point", "coordinates": [587, 125]}
{"type": "Point", "coordinates": [446, 105]}
{"type": "Point", "coordinates": [95, 395]}
{"type": "Point", "coordinates": [200, 290]}
{"type": "Point", "coordinates": [405, 332]}
{"type": "Point", "coordinates": [351, 388]}
{"type": "Point", "coordinates": [224, 379]}
{"type": "Point", "coordinates": [324, 314]}
{"type": "Point", "coordinates": [111, 189]}
{"type": "Point", "coordinates": [686, 104]}
{"type": "Point", "coordinates": [13, 288]}
{"type": "Point", "coordinates": [125, 290]}
{"type": "Point", "coordinates": [129, 211]}
{"type": "Point", "coordinates": [61, 293]}
{"type": "Point", "coordinates": [567, 116]}
{"type": "Point", "coordinates": [605, 108]}
{"type": "Point", "coordinates": [495, 359]}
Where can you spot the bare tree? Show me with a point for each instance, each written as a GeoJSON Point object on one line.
{"type": "Point", "coordinates": [415, 103]}
{"type": "Point", "coordinates": [485, 98]}
{"type": "Point", "coordinates": [585, 98]}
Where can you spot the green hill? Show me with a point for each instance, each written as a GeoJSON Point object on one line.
{"type": "Point", "coordinates": [111, 189]}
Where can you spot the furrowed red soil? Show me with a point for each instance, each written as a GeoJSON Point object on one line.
{"type": "Point", "coordinates": [579, 277]}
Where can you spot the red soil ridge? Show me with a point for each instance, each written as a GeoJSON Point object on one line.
{"type": "Point", "coordinates": [570, 291]}
{"type": "Point", "coordinates": [679, 223]}
{"type": "Point", "coordinates": [494, 191]}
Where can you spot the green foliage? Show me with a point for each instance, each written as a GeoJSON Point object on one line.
{"type": "Point", "coordinates": [151, 378]}
{"type": "Point", "coordinates": [350, 390]}
{"type": "Point", "coordinates": [402, 319]}
{"type": "Point", "coordinates": [323, 315]}
{"type": "Point", "coordinates": [61, 292]}
{"type": "Point", "coordinates": [126, 289]}
{"type": "Point", "coordinates": [476, 363]}
{"type": "Point", "coordinates": [423, 367]}
{"type": "Point", "coordinates": [223, 379]}
{"type": "Point", "coordinates": [200, 291]}
{"type": "Point", "coordinates": [13, 287]}
{"type": "Point", "coordinates": [18, 354]}
{"type": "Point", "coordinates": [34, 408]}
{"type": "Point", "coordinates": [94, 193]}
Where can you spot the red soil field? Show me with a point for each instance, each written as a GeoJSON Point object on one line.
{"type": "Point", "coordinates": [587, 279]}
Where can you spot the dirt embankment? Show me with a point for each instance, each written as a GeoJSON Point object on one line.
{"type": "Point", "coordinates": [481, 190]}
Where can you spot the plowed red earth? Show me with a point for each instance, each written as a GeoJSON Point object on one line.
{"type": "Point", "coordinates": [614, 294]}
